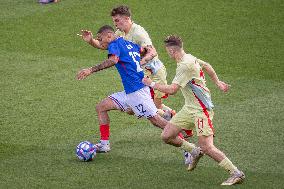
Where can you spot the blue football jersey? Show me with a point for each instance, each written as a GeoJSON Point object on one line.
{"type": "Point", "coordinates": [128, 65]}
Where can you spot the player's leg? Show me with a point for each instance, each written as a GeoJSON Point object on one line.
{"type": "Point", "coordinates": [166, 112]}
{"type": "Point", "coordinates": [160, 76]}
{"type": "Point", "coordinates": [202, 121]}
{"type": "Point", "coordinates": [178, 140]}
{"type": "Point", "coordinates": [172, 131]}
{"type": "Point", "coordinates": [115, 101]}
{"type": "Point", "coordinates": [205, 132]}
{"type": "Point", "coordinates": [173, 138]}
{"type": "Point", "coordinates": [141, 103]}
{"type": "Point", "coordinates": [170, 136]}
{"type": "Point", "coordinates": [143, 106]}
{"type": "Point", "coordinates": [236, 176]}
{"type": "Point", "coordinates": [206, 143]}
{"type": "Point", "coordinates": [186, 134]}
{"type": "Point", "coordinates": [102, 109]}
{"type": "Point", "coordinates": [158, 102]}
{"type": "Point", "coordinates": [184, 120]}
{"type": "Point", "coordinates": [158, 121]}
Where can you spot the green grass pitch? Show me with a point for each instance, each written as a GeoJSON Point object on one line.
{"type": "Point", "coordinates": [45, 112]}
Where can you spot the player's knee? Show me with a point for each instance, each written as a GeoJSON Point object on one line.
{"type": "Point", "coordinates": [99, 107]}
{"type": "Point", "coordinates": [129, 111]}
{"type": "Point", "coordinates": [158, 121]}
{"type": "Point", "coordinates": [105, 105]}
{"type": "Point", "coordinates": [165, 137]}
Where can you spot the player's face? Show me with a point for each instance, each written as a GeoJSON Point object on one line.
{"type": "Point", "coordinates": [120, 22]}
{"type": "Point", "coordinates": [103, 39]}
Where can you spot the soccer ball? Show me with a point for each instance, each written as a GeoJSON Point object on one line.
{"type": "Point", "coordinates": [86, 151]}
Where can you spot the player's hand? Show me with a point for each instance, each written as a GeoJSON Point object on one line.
{"type": "Point", "coordinates": [223, 86]}
{"type": "Point", "coordinates": [86, 35]}
{"type": "Point", "coordinates": [84, 73]}
{"type": "Point", "coordinates": [147, 81]}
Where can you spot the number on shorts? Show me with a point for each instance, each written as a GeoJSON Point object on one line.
{"type": "Point", "coordinates": [140, 108]}
{"type": "Point", "coordinates": [200, 123]}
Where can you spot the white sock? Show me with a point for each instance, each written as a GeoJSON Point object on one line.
{"type": "Point", "coordinates": [104, 142]}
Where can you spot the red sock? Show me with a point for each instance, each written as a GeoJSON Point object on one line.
{"type": "Point", "coordinates": [104, 129]}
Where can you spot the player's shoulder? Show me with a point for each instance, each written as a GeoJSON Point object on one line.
{"type": "Point", "coordinates": [188, 58]}
{"type": "Point", "coordinates": [138, 28]}
{"type": "Point", "coordinates": [187, 63]}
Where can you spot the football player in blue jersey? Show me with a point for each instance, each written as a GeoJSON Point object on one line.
{"type": "Point", "coordinates": [136, 97]}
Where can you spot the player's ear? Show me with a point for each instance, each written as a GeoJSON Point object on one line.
{"type": "Point", "coordinates": [109, 35]}
{"type": "Point", "coordinates": [127, 18]}
{"type": "Point", "coordinates": [171, 50]}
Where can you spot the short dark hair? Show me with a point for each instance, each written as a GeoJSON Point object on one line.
{"type": "Point", "coordinates": [173, 40]}
{"type": "Point", "coordinates": [105, 28]}
{"type": "Point", "coordinates": [121, 10]}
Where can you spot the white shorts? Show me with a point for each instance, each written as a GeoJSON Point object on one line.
{"type": "Point", "coordinates": [140, 102]}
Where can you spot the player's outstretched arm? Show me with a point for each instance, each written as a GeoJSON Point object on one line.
{"type": "Point", "coordinates": [168, 89]}
{"type": "Point", "coordinates": [112, 60]}
{"type": "Point", "coordinates": [88, 37]}
{"type": "Point", "coordinates": [211, 72]}
{"type": "Point", "coordinates": [148, 52]}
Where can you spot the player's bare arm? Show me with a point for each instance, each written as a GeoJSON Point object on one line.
{"type": "Point", "coordinates": [87, 36]}
{"type": "Point", "coordinates": [111, 61]}
{"type": "Point", "coordinates": [148, 52]}
{"type": "Point", "coordinates": [168, 89]}
{"type": "Point", "coordinates": [212, 74]}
